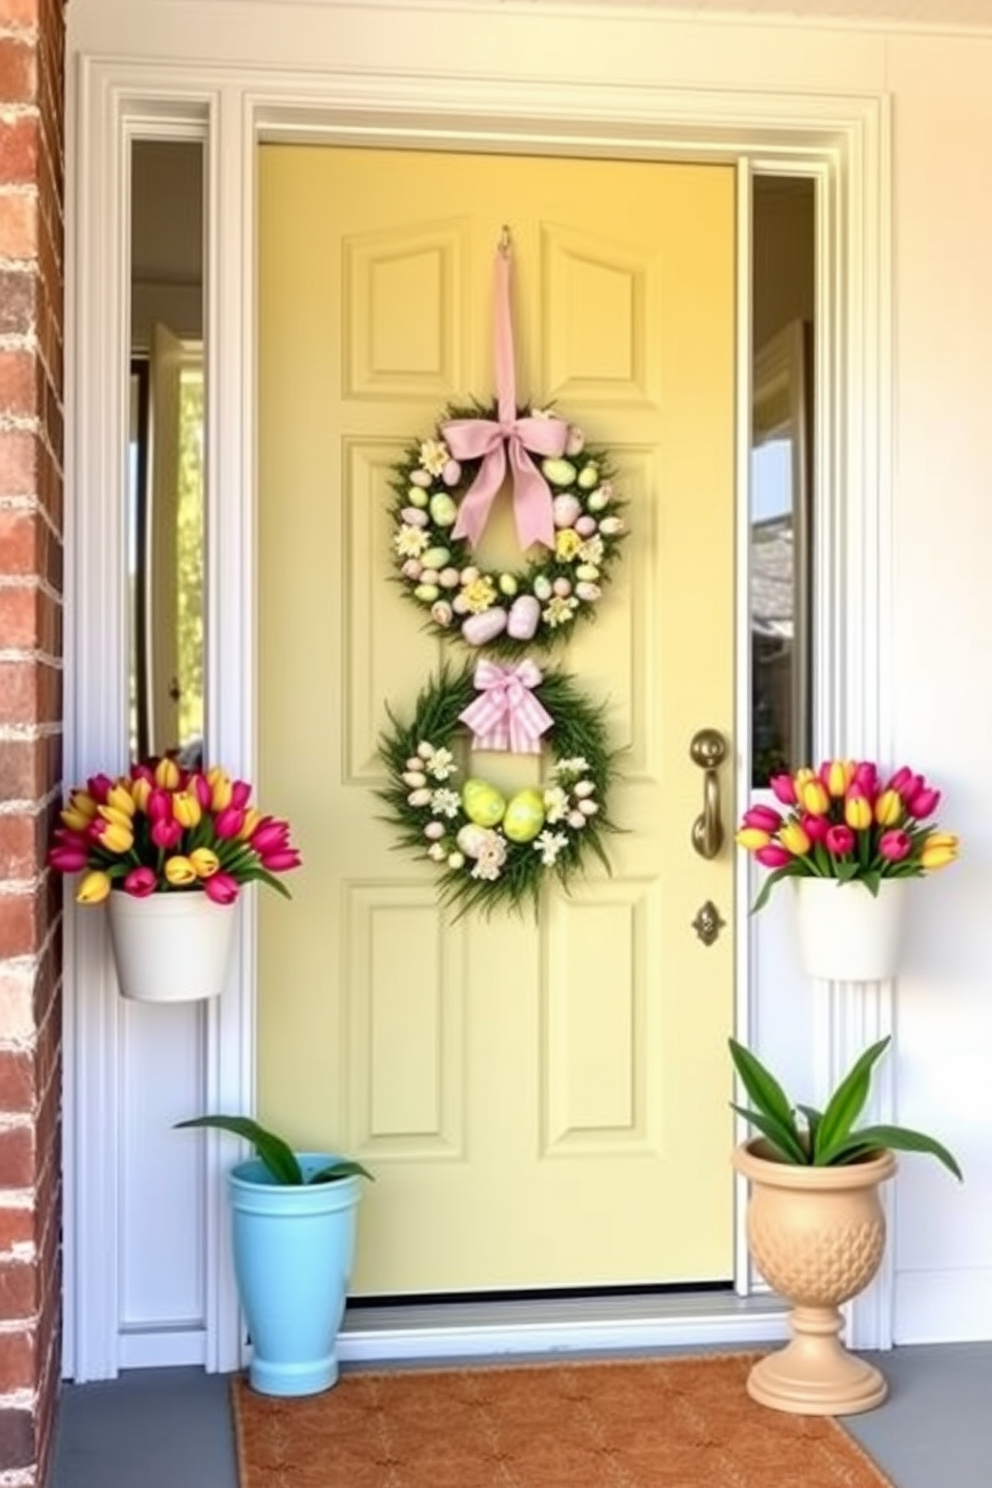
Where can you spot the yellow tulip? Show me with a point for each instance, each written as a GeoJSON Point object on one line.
{"type": "Point", "coordinates": [888, 808]}
{"type": "Point", "coordinates": [840, 773]}
{"type": "Point", "coordinates": [116, 836]}
{"type": "Point", "coordinates": [252, 818]}
{"type": "Point", "coordinates": [186, 809]}
{"type": "Point", "coordinates": [939, 849]}
{"type": "Point", "coordinates": [221, 788]}
{"type": "Point", "coordinates": [141, 789]}
{"type": "Point", "coordinates": [167, 774]}
{"type": "Point", "coordinates": [857, 812]}
{"type": "Point", "coordinates": [802, 775]}
{"type": "Point", "coordinates": [752, 838]}
{"type": "Point", "coordinates": [813, 797]}
{"type": "Point", "coordinates": [205, 862]}
{"type": "Point", "coordinates": [79, 811]}
{"type": "Point", "coordinates": [120, 799]}
{"type": "Point", "coordinates": [93, 887]}
{"type": "Point", "coordinates": [179, 871]}
{"type": "Point", "coordinates": [794, 839]}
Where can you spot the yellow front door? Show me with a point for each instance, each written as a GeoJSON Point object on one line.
{"type": "Point", "coordinates": [543, 1105]}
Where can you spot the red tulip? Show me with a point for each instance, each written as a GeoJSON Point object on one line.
{"type": "Point", "coordinates": [839, 840]}
{"type": "Point", "coordinates": [221, 888]}
{"type": "Point", "coordinates": [269, 835]}
{"type": "Point", "coordinates": [815, 827]}
{"type": "Point", "coordinates": [68, 858]}
{"type": "Point", "coordinates": [140, 882]}
{"type": "Point", "coordinates": [166, 834]}
{"type": "Point", "coordinates": [228, 823]}
{"type": "Point", "coordinates": [240, 794]}
{"type": "Point", "coordinates": [866, 776]}
{"type": "Point", "coordinates": [895, 845]}
{"type": "Point", "coordinates": [97, 786]}
{"type": "Point", "coordinates": [159, 805]}
{"type": "Point", "coordinates": [200, 786]}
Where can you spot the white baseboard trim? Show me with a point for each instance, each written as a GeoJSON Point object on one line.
{"type": "Point", "coordinates": [587, 1325]}
{"type": "Point", "coordinates": [944, 1306]}
{"type": "Point", "coordinates": [154, 1348]}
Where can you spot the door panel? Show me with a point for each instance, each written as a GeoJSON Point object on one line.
{"type": "Point", "coordinates": [543, 1105]}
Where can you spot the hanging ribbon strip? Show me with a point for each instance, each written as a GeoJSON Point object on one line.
{"type": "Point", "coordinates": [491, 439]}
{"type": "Point", "coordinates": [507, 715]}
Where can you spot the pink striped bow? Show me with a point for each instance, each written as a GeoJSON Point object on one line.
{"type": "Point", "coordinates": [492, 439]}
{"type": "Point", "coordinates": [507, 715]}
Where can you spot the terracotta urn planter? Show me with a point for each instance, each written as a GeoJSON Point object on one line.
{"type": "Point", "coordinates": [817, 1235]}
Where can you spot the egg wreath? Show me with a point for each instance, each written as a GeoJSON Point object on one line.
{"type": "Point", "coordinates": [492, 852]}
{"type": "Point", "coordinates": [503, 610]}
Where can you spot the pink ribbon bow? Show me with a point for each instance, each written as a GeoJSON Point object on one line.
{"type": "Point", "coordinates": [491, 439]}
{"type": "Point", "coordinates": [507, 715]}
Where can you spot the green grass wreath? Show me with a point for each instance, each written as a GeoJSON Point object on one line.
{"type": "Point", "coordinates": [491, 852]}
{"type": "Point", "coordinates": [506, 611]}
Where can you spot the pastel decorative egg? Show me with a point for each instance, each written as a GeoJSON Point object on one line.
{"type": "Point", "coordinates": [524, 816]}
{"type": "Point", "coordinates": [588, 593]}
{"type": "Point", "coordinates": [565, 510]}
{"type": "Point", "coordinates": [575, 441]}
{"type": "Point", "coordinates": [589, 476]}
{"type": "Point", "coordinates": [426, 593]}
{"type": "Point", "coordinates": [562, 588]}
{"type": "Point", "coordinates": [559, 472]}
{"type": "Point", "coordinates": [448, 578]}
{"type": "Point", "coordinates": [451, 473]}
{"type": "Point", "coordinates": [472, 839]}
{"type": "Point", "coordinates": [525, 616]}
{"type": "Point", "coordinates": [483, 804]}
{"type": "Point", "coordinates": [443, 509]}
{"type": "Point", "coordinates": [413, 516]}
{"type": "Point", "coordinates": [585, 525]}
{"type": "Point", "coordinates": [612, 526]}
{"type": "Point", "coordinates": [478, 630]}
{"type": "Point", "coordinates": [412, 568]}
{"type": "Point", "coordinates": [435, 558]}
{"type": "Point", "coordinates": [508, 584]}
{"type": "Point", "coordinates": [441, 613]}
{"type": "Point", "coordinates": [417, 496]}
{"type": "Point", "coordinates": [421, 478]}
{"type": "Point", "coordinates": [542, 587]}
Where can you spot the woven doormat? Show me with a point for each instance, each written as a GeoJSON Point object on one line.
{"type": "Point", "coordinates": [672, 1423]}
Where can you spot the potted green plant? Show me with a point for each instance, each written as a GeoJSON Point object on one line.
{"type": "Point", "coordinates": [293, 1223]}
{"type": "Point", "coordinates": [167, 850]}
{"type": "Point", "coordinates": [816, 1227]}
{"type": "Point", "coordinates": [849, 839]}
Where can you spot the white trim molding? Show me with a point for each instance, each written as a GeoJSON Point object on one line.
{"type": "Point", "coordinates": [842, 142]}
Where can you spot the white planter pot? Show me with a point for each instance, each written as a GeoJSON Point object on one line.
{"type": "Point", "coordinates": [847, 934]}
{"type": "Point", "coordinates": [170, 947]}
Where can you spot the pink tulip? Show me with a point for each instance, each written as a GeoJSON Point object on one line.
{"type": "Point", "coordinates": [773, 856]}
{"type": "Point", "coordinates": [905, 782]}
{"type": "Point", "coordinates": [924, 802]}
{"type": "Point", "coordinates": [143, 772]}
{"type": "Point", "coordinates": [839, 840]}
{"type": "Point", "coordinates": [98, 786]}
{"type": "Point", "coordinates": [159, 805]}
{"type": "Point", "coordinates": [269, 835]}
{"type": "Point", "coordinates": [240, 794]}
{"type": "Point", "coordinates": [815, 827]}
{"type": "Point", "coordinates": [200, 786]}
{"type": "Point", "coordinates": [221, 888]}
{"type": "Point", "coordinates": [784, 789]}
{"type": "Point", "coordinates": [140, 882]}
{"type": "Point", "coordinates": [228, 823]}
{"type": "Point", "coordinates": [866, 776]}
{"type": "Point", "coordinates": [282, 860]}
{"type": "Point", "coordinates": [166, 834]}
{"type": "Point", "coordinates": [765, 818]}
{"type": "Point", "coordinates": [68, 859]}
{"type": "Point", "coordinates": [895, 845]}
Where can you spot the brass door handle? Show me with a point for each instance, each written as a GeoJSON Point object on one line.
{"type": "Point", "coordinates": [708, 750]}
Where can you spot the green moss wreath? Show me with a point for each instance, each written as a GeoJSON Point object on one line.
{"type": "Point", "coordinates": [491, 853]}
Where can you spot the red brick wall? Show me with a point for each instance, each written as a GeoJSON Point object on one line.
{"type": "Point", "coordinates": [31, 196]}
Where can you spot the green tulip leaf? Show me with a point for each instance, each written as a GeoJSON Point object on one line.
{"type": "Point", "coordinates": [276, 1154]}
{"type": "Point", "coordinates": [813, 1119]}
{"type": "Point", "coordinates": [761, 1085]}
{"type": "Point", "coordinates": [846, 1104]}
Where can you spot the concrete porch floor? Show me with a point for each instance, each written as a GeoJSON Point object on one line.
{"type": "Point", "coordinates": [171, 1428]}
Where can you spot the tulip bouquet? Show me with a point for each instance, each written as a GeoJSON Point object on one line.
{"type": "Point", "coordinates": [843, 821]}
{"type": "Point", "coordinates": [164, 829]}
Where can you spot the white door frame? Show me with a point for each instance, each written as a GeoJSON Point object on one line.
{"type": "Point", "coordinates": [841, 142]}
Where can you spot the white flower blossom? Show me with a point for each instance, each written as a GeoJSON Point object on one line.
{"type": "Point", "coordinates": [549, 845]}
{"type": "Point", "coordinates": [559, 611]}
{"type": "Point", "coordinates": [441, 764]}
{"type": "Point", "coordinates": [410, 542]}
{"type": "Point", "coordinates": [434, 455]}
{"type": "Point", "coordinates": [574, 767]}
{"type": "Point", "coordinates": [592, 550]}
{"type": "Point", "coordinates": [445, 803]}
{"type": "Point", "coordinates": [555, 804]}
{"type": "Point", "coordinates": [490, 857]}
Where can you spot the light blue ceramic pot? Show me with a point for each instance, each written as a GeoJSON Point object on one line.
{"type": "Point", "coordinates": [294, 1249]}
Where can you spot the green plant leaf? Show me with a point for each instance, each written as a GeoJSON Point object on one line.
{"type": "Point", "coordinates": [813, 1119]}
{"type": "Point", "coordinates": [900, 1139]}
{"type": "Point", "coordinates": [762, 1086]}
{"type": "Point", "coordinates": [784, 1139]}
{"type": "Point", "coordinates": [846, 1105]}
{"type": "Point", "coordinates": [346, 1168]}
{"type": "Point", "coordinates": [276, 1154]}
{"type": "Point", "coordinates": [775, 876]}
